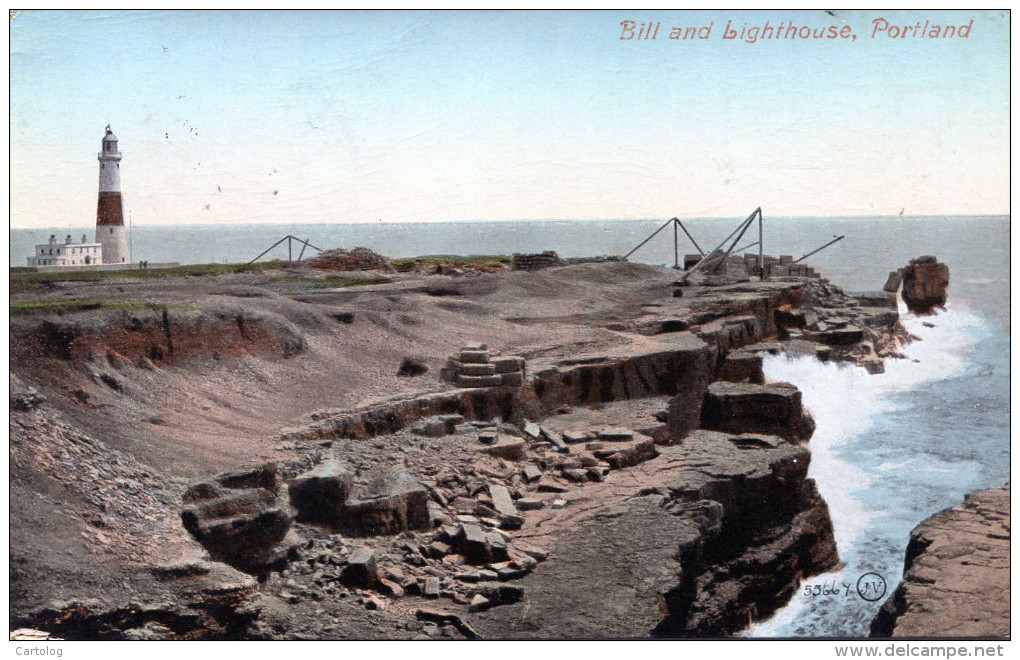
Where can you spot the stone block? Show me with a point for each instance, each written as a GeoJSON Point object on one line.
{"type": "Point", "coordinates": [479, 603]}
{"type": "Point", "coordinates": [478, 381]}
{"type": "Point", "coordinates": [240, 517]}
{"type": "Point", "coordinates": [531, 473]}
{"type": "Point", "coordinates": [576, 475]}
{"type": "Point", "coordinates": [498, 546]}
{"type": "Point", "coordinates": [508, 364]}
{"type": "Point", "coordinates": [390, 588]}
{"type": "Point", "coordinates": [474, 356]}
{"type": "Point", "coordinates": [361, 569]}
{"type": "Point", "coordinates": [621, 455]}
{"type": "Point", "coordinates": [616, 435]}
{"type": "Point", "coordinates": [320, 495]}
{"type": "Point", "coordinates": [773, 409]}
{"type": "Point", "coordinates": [436, 550]}
{"type": "Point", "coordinates": [394, 502]}
{"type": "Point", "coordinates": [529, 504]}
{"type": "Point", "coordinates": [845, 336]}
{"type": "Point", "coordinates": [508, 448]}
{"type": "Point", "coordinates": [742, 367]}
{"type": "Point", "coordinates": [554, 439]}
{"type": "Point", "coordinates": [474, 544]}
{"type": "Point", "coordinates": [469, 369]}
{"type": "Point", "coordinates": [431, 427]}
{"type": "Point", "coordinates": [575, 437]}
{"type": "Point", "coordinates": [500, 592]}
{"type": "Point", "coordinates": [512, 379]}
{"type": "Point", "coordinates": [501, 500]}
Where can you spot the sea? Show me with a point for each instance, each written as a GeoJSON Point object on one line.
{"type": "Point", "coordinates": [889, 450]}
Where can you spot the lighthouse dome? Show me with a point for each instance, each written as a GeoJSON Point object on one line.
{"type": "Point", "coordinates": [109, 137]}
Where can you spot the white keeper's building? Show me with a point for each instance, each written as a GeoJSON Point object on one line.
{"type": "Point", "coordinates": [67, 253]}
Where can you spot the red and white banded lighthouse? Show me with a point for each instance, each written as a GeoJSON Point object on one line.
{"type": "Point", "coordinates": [110, 211]}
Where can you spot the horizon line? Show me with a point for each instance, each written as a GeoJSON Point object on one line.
{"type": "Point", "coordinates": [529, 220]}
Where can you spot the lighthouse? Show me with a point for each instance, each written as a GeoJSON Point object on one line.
{"type": "Point", "coordinates": [110, 212]}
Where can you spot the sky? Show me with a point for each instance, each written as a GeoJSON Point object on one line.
{"type": "Point", "coordinates": [289, 117]}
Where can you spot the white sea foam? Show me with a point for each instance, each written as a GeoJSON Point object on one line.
{"type": "Point", "coordinates": [846, 401]}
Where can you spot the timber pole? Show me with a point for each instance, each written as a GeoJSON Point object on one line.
{"type": "Point", "coordinates": [696, 246]}
{"type": "Point", "coordinates": [761, 247]}
{"type": "Point", "coordinates": [835, 240]}
{"type": "Point", "coordinates": [742, 225]}
{"type": "Point", "coordinates": [641, 244]}
{"type": "Point", "coordinates": [268, 250]}
{"type": "Point", "coordinates": [676, 246]}
{"type": "Point", "coordinates": [747, 225]}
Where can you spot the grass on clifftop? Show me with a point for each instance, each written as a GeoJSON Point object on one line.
{"type": "Point", "coordinates": [74, 305]}
{"type": "Point", "coordinates": [28, 282]}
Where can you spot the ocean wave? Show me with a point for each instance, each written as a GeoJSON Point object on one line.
{"type": "Point", "coordinates": [847, 404]}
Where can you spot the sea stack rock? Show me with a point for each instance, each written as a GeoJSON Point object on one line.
{"type": "Point", "coordinates": [925, 282]}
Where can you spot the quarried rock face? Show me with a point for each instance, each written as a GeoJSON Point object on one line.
{"type": "Point", "coordinates": [925, 283]}
{"type": "Point", "coordinates": [240, 517]}
{"type": "Point", "coordinates": [956, 574]}
{"type": "Point", "coordinates": [752, 408]}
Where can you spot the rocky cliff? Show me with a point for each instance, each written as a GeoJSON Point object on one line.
{"type": "Point", "coordinates": [502, 497]}
{"type": "Point", "coordinates": [956, 574]}
{"type": "Point", "coordinates": [720, 541]}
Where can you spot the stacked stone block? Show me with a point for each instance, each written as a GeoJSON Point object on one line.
{"type": "Point", "coordinates": [546, 259]}
{"type": "Point", "coordinates": [473, 367]}
{"type": "Point", "coordinates": [781, 267]}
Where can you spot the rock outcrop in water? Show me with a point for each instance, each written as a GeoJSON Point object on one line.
{"type": "Point", "coordinates": [956, 574]}
{"type": "Point", "coordinates": [925, 284]}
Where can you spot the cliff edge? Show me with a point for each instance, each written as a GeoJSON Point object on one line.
{"type": "Point", "coordinates": [956, 574]}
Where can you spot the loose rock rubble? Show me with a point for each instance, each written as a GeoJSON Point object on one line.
{"type": "Point", "coordinates": [547, 259]}
{"type": "Point", "coordinates": [359, 258]}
